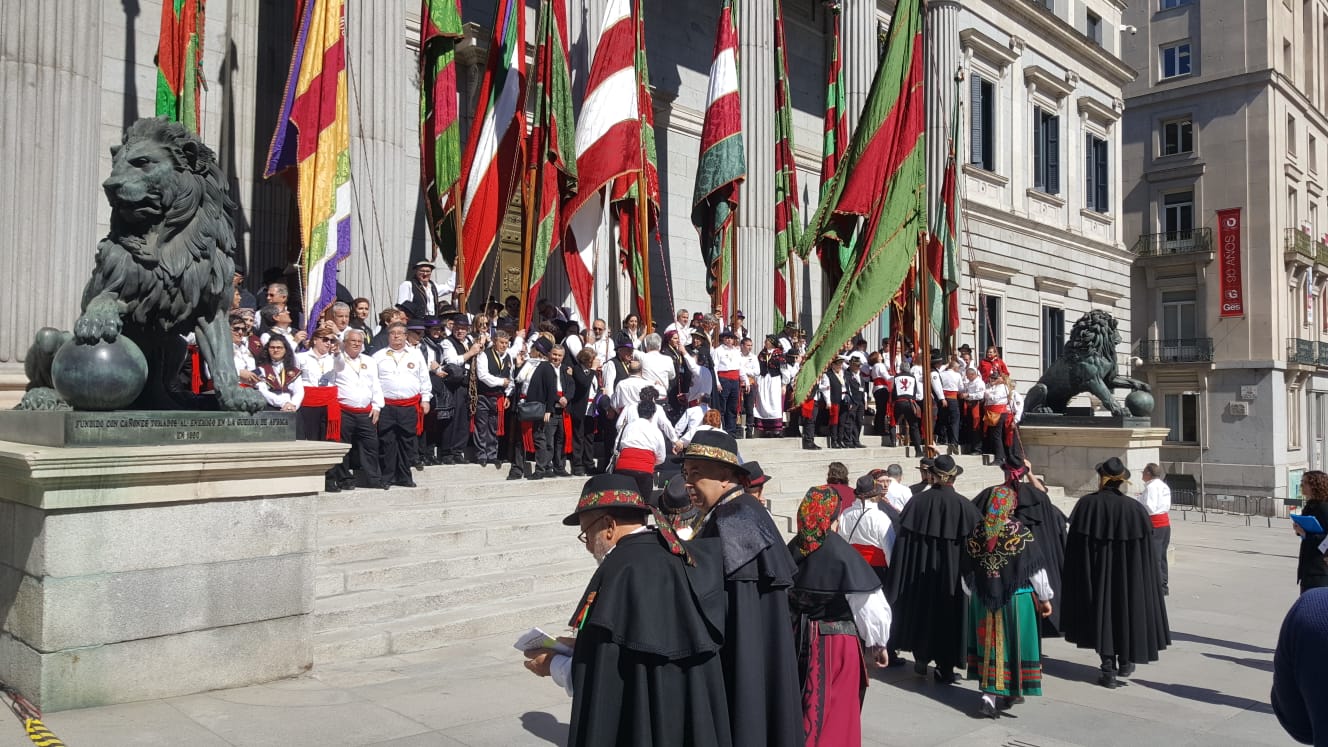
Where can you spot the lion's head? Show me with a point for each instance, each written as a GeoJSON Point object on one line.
{"type": "Point", "coordinates": [171, 219]}
{"type": "Point", "coordinates": [1093, 336]}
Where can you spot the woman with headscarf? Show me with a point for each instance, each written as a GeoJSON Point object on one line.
{"type": "Point", "coordinates": [837, 609]}
{"type": "Point", "coordinates": [1005, 568]}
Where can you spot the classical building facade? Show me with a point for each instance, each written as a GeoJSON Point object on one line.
{"type": "Point", "coordinates": [1040, 139]}
{"type": "Point", "coordinates": [1229, 112]}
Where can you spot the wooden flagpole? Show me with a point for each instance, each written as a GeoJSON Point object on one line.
{"type": "Point", "coordinates": [643, 234]}
{"type": "Point", "coordinates": [924, 341]}
{"type": "Point", "coordinates": [458, 291]}
{"type": "Point", "coordinates": [528, 209]}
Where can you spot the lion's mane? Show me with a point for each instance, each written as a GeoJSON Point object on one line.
{"type": "Point", "coordinates": [176, 266]}
{"type": "Point", "coordinates": [1094, 337]}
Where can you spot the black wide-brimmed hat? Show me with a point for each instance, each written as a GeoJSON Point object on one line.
{"type": "Point", "coordinates": [714, 446]}
{"type": "Point", "coordinates": [755, 475]}
{"type": "Point", "coordinates": [541, 344]}
{"type": "Point", "coordinates": [607, 491]}
{"type": "Point", "coordinates": [674, 498]}
{"type": "Point", "coordinates": [459, 319]}
{"type": "Point", "coordinates": [1113, 468]}
{"type": "Point", "coordinates": [867, 487]}
{"type": "Point", "coordinates": [944, 465]}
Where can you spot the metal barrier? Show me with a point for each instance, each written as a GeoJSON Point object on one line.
{"type": "Point", "coordinates": [1248, 506]}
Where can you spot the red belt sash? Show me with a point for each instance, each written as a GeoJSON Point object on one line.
{"type": "Point", "coordinates": [878, 381]}
{"type": "Point", "coordinates": [1161, 520]}
{"type": "Point", "coordinates": [326, 396]}
{"type": "Point", "coordinates": [997, 408]}
{"type": "Point", "coordinates": [502, 414]}
{"type": "Point", "coordinates": [951, 393]}
{"type": "Point", "coordinates": [874, 555]}
{"type": "Point", "coordinates": [366, 410]}
{"type": "Point", "coordinates": [416, 402]}
{"type": "Point", "coordinates": [809, 408]}
{"type": "Point", "coordinates": [637, 460]}
{"type": "Point", "coordinates": [733, 375]}
{"type": "Point", "coordinates": [567, 428]}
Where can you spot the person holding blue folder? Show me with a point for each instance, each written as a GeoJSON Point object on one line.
{"type": "Point", "coordinates": [1312, 567]}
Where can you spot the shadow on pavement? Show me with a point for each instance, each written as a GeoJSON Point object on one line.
{"type": "Point", "coordinates": [958, 697]}
{"type": "Point", "coordinates": [1233, 645]}
{"type": "Point", "coordinates": [1070, 671]}
{"type": "Point", "coordinates": [1205, 695]}
{"type": "Point", "coordinates": [1262, 664]}
{"type": "Point", "coordinates": [545, 726]}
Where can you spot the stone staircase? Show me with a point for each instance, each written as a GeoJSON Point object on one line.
{"type": "Point", "coordinates": [468, 553]}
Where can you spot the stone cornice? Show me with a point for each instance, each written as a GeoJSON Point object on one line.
{"type": "Point", "coordinates": [1044, 80]}
{"type": "Point", "coordinates": [1094, 109]}
{"type": "Point", "coordinates": [986, 48]}
{"type": "Point", "coordinates": [1069, 39]}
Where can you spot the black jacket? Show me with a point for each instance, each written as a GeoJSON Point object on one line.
{"type": "Point", "coordinates": [543, 385]}
{"type": "Point", "coordinates": [583, 381]}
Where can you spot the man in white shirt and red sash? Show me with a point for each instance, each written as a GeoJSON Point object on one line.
{"type": "Point", "coordinates": [951, 382]}
{"type": "Point", "coordinates": [319, 416]}
{"type": "Point", "coordinates": [360, 397]}
{"type": "Point", "coordinates": [403, 376]}
{"type": "Point", "coordinates": [728, 367]}
{"type": "Point", "coordinates": [1156, 497]}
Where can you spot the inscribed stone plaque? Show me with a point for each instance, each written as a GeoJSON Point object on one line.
{"type": "Point", "coordinates": [143, 427]}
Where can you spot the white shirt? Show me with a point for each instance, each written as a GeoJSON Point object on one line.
{"type": "Point", "coordinates": [937, 389]}
{"type": "Point", "coordinates": [402, 374]}
{"type": "Point", "coordinates": [872, 616]}
{"type": "Point", "coordinates": [726, 358]}
{"type": "Point", "coordinates": [683, 329]}
{"type": "Point", "coordinates": [864, 523]}
{"type": "Point", "coordinates": [1017, 405]}
{"type": "Point", "coordinates": [689, 422]}
{"type": "Point", "coordinates": [997, 394]}
{"type": "Point", "coordinates": [878, 373]}
{"type": "Point", "coordinates": [319, 370]}
{"type": "Point", "coordinates": [951, 380]}
{"type": "Point", "coordinates": [750, 366]}
{"type": "Point", "coordinates": [631, 415]}
{"type": "Point", "coordinates": [450, 355]}
{"type": "Point", "coordinates": [483, 371]}
{"type": "Point", "coordinates": [628, 393]}
{"type": "Point", "coordinates": [643, 434]}
{"type": "Point", "coordinates": [657, 368]}
{"type": "Point", "coordinates": [406, 293]}
{"type": "Point", "coordinates": [279, 399]}
{"type": "Point", "coordinates": [357, 383]}
{"type": "Point", "coordinates": [974, 389]}
{"type": "Point", "coordinates": [1156, 497]}
{"type": "Point", "coordinates": [244, 360]}
{"type": "Point", "coordinates": [897, 494]}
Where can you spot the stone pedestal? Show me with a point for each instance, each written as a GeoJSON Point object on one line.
{"type": "Point", "coordinates": [132, 572]}
{"type": "Point", "coordinates": [1066, 456]}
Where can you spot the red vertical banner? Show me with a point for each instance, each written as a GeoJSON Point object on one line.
{"type": "Point", "coordinates": [1228, 262]}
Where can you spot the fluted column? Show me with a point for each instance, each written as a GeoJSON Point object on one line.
{"type": "Point", "coordinates": [755, 268]}
{"type": "Point", "coordinates": [50, 143]}
{"type": "Point", "coordinates": [388, 224]}
{"type": "Point", "coordinates": [861, 55]}
{"type": "Point", "coordinates": [943, 60]}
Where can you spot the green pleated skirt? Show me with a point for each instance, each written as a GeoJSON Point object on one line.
{"type": "Point", "coordinates": [1005, 647]}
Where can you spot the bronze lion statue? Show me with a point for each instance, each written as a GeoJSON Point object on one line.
{"type": "Point", "coordinates": [1088, 364]}
{"type": "Point", "coordinates": [165, 268]}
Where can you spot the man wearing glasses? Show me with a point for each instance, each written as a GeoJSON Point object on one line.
{"type": "Point", "coordinates": [361, 398]}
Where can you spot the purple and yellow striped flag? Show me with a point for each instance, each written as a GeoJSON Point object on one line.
{"type": "Point", "coordinates": [180, 61]}
{"type": "Point", "coordinates": [313, 136]}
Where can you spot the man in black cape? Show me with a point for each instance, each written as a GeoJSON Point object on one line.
{"type": "Point", "coordinates": [760, 665]}
{"type": "Point", "coordinates": [929, 607]}
{"type": "Point", "coordinates": [1112, 599]}
{"type": "Point", "coordinates": [1045, 520]}
{"type": "Point", "coordinates": [645, 667]}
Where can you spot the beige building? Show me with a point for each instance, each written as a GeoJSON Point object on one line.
{"type": "Point", "coordinates": [1229, 112]}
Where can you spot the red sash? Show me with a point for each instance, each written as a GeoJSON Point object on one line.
{"type": "Point", "coordinates": [730, 375]}
{"type": "Point", "coordinates": [874, 555]}
{"type": "Point", "coordinates": [834, 414]}
{"type": "Point", "coordinates": [809, 408]}
{"type": "Point", "coordinates": [567, 428]}
{"type": "Point", "coordinates": [1161, 520]}
{"type": "Point", "coordinates": [637, 460]}
{"type": "Point", "coordinates": [528, 436]}
{"type": "Point", "coordinates": [366, 410]}
{"type": "Point", "coordinates": [418, 403]}
{"type": "Point", "coordinates": [502, 414]}
{"type": "Point", "coordinates": [974, 413]}
{"type": "Point", "coordinates": [326, 396]}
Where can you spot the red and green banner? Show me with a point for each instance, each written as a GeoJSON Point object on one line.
{"type": "Point", "coordinates": [721, 166]}
{"type": "Point", "coordinates": [879, 193]}
{"type": "Point", "coordinates": [615, 155]}
{"type": "Point", "coordinates": [836, 106]}
{"type": "Point", "coordinates": [440, 132]}
{"type": "Point", "coordinates": [552, 151]}
{"type": "Point", "coordinates": [180, 62]}
{"type": "Point", "coordinates": [788, 213]}
{"type": "Point", "coordinates": [495, 152]}
{"type": "Point", "coordinates": [942, 250]}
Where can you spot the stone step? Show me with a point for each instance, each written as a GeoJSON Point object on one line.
{"type": "Point", "coordinates": [444, 565]}
{"type": "Point", "coordinates": [382, 605]}
{"type": "Point", "coordinates": [431, 630]}
{"type": "Point", "coordinates": [430, 511]}
{"type": "Point", "coordinates": [349, 547]}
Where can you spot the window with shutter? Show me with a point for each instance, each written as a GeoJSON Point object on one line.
{"type": "Point", "coordinates": [1052, 130]}
{"type": "Point", "coordinates": [1096, 191]}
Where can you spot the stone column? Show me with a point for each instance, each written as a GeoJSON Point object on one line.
{"type": "Point", "coordinates": [389, 226]}
{"type": "Point", "coordinates": [858, 30]}
{"type": "Point", "coordinates": [755, 267]}
{"type": "Point", "coordinates": [943, 61]}
{"type": "Point", "coordinates": [50, 195]}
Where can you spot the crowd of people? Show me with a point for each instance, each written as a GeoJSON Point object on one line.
{"type": "Point", "coordinates": [553, 399]}
{"type": "Point", "coordinates": [701, 626]}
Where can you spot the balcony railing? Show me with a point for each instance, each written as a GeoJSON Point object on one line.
{"type": "Point", "coordinates": [1302, 351]}
{"type": "Point", "coordinates": [1321, 251]}
{"type": "Point", "coordinates": [1299, 242]}
{"type": "Point", "coordinates": [1174, 242]}
{"type": "Point", "coordinates": [1181, 350]}
{"type": "Point", "coordinates": [1322, 358]}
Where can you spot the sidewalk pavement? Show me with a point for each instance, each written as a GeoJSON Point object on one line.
{"type": "Point", "coordinates": [1230, 586]}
